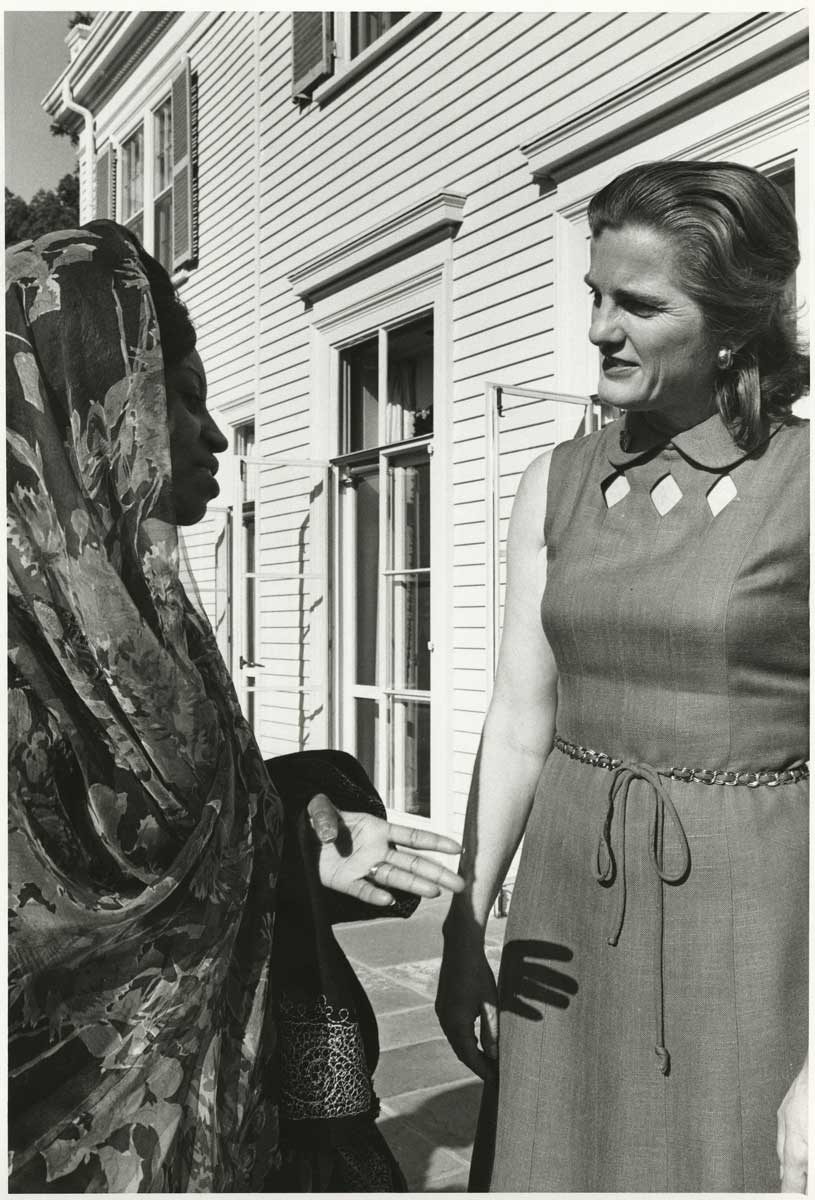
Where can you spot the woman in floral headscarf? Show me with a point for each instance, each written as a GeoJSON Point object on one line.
{"type": "Point", "coordinates": [147, 1021]}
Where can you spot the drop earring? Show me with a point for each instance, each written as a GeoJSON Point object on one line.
{"type": "Point", "coordinates": [724, 358]}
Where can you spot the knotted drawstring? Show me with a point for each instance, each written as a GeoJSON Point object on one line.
{"type": "Point", "coordinates": [605, 869]}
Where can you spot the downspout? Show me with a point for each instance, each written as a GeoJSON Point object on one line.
{"type": "Point", "coordinates": [90, 125]}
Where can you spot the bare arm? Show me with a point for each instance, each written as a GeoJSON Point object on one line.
{"type": "Point", "coordinates": [516, 739]}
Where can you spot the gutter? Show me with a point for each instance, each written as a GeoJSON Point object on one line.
{"type": "Point", "coordinates": [85, 113]}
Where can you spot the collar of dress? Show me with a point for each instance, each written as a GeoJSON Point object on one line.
{"type": "Point", "coordinates": [708, 444]}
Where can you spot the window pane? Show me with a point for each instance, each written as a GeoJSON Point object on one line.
{"type": "Point", "coordinates": [410, 515]}
{"type": "Point", "coordinates": [410, 379]}
{"type": "Point", "coordinates": [245, 445]}
{"type": "Point", "coordinates": [410, 757]}
{"type": "Point", "coordinates": [367, 576]}
{"type": "Point", "coordinates": [367, 27]}
{"type": "Point", "coordinates": [249, 631]}
{"type": "Point", "coordinates": [411, 632]}
{"type": "Point", "coordinates": [137, 226]}
{"type": "Point", "coordinates": [133, 175]}
{"type": "Point", "coordinates": [163, 234]}
{"type": "Point", "coordinates": [367, 726]}
{"type": "Point", "coordinates": [359, 367]}
{"type": "Point", "coordinates": [410, 593]}
{"type": "Point", "coordinates": [163, 141]}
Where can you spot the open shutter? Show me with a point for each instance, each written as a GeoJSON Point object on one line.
{"type": "Point", "coordinates": [312, 51]}
{"type": "Point", "coordinates": [105, 206]}
{"type": "Point", "coordinates": [185, 170]}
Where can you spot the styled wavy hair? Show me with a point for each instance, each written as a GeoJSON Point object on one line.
{"type": "Point", "coordinates": [738, 251]}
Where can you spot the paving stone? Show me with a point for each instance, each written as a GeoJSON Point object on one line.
{"type": "Point", "coordinates": [406, 1028]}
{"type": "Point", "coordinates": [409, 1068]}
{"type": "Point", "coordinates": [388, 995]}
{"type": "Point", "coordinates": [422, 975]}
{"type": "Point", "coordinates": [457, 1182]}
{"type": "Point", "coordinates": [421, 1158]}
{"type": "Point", "coordinates": [381, 943]}
{"type": "Point", "coordinates": [448, 1115]}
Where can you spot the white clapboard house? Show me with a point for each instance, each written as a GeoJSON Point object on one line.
{"type": "Point", "coordinates": [378, 223]}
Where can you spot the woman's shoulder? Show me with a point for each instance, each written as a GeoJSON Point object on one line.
{"type": "Point", "coordinates": [575, 456]}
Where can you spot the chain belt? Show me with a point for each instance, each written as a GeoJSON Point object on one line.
{"type": "Point", "coordinates": [753, 779]}
{"type": "Point", "coordinates": [609, 866]}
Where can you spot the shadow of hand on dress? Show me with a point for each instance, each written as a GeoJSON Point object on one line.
{"type": "Point", "coordinates": [529, 981]}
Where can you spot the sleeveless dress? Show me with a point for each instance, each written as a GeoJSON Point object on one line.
{"type": "Point", "coordinates": [654, 979]}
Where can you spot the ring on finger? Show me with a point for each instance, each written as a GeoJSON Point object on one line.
{"type": "Point", "coordinates": [371, 872]}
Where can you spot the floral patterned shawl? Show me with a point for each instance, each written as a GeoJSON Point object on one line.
{"type": "Point", "coordinates": [144, 831]}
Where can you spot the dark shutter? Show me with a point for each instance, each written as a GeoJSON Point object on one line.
{"type": "Point", "coordinates": [185, 169]}
{"type": "Point", "coordinates": [312, 51]}
{"type": "Point", "coordinates": [105, 184]}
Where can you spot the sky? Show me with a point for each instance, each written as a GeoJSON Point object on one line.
{"type": "Point", "coordinates": [35, 55]}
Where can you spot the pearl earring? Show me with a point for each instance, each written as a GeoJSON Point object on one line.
{"type": "Point", "coordinates": [724, 359]}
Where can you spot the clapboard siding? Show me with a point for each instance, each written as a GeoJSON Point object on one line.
{"type": "Point", "coordinates": [447, 110]}
{"type": "Point", "coordinates": [221, 292]}
{"type": "Point", "coordinates": [407, 157]}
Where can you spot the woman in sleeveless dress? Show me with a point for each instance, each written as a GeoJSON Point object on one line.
{"type": "Point", "coordinates": [648, 732]}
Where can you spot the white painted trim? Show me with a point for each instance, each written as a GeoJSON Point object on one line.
{"type": "Point", "coordinates": [421, 283]}
{"type": "Point", "coordinates": [571, 310]}
{"type": "Point", "coordinates": [763, 46]}
{"type": "Point", "coordinates": [394, 232]}
{"type": "Point", "coordinates": [239, 409]}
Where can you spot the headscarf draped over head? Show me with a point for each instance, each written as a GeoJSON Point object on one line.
{"type": "Point", "coordinates": [144, 832]}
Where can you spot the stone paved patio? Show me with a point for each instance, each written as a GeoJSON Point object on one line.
{"type": "Point", "coordinates": [429, 1099]}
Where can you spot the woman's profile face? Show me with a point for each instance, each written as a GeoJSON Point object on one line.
{"type": "Point", "coordinates": [195, 439]}
{"type": "Point", "coordinates": [655, 352]}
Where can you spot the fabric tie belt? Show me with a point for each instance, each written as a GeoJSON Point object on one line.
{"type": "Point", "coordinates": [606, 869]}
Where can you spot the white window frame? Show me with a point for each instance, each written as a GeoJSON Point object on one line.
{"type": "Point", "coordinates": [121, 174]}
{"type": "Point", "coordinates": [392, 297]}
{"type": "Point", "coordinates": [764, 128]}
{"type": "Point", "coordinates": [145, 117]}
{"type": "Point", "coordinates": [345, 68]}
{"type": "Point", "coordinates": [167, 190]}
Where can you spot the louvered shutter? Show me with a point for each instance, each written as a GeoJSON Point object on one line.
{"type": "Point", "coordinates": [185, 169]}
{"type": "Point", "coordinates": [312, 51]}
{"type": "Point", "coordinates": [105, 206]}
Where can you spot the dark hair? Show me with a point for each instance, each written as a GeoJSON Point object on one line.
{"type": "Point", "coordinates": [176, 330]}
{"type": "Point", "coordinates": [739, 250]}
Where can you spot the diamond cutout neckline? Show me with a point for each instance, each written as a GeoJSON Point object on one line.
{"type": "Point", "coordinates": [615, 489]}
{"type": "Point", "coordinates": [719, 496]}
{"type": "Point", "coordinates": [665, 494]}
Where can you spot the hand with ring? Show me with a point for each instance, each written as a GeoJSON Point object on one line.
{"type": "Point", "coordinates": [368, 856]}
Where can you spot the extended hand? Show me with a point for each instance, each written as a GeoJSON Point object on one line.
{"type": "Point", "coordinates": [792, 1140]}
{"type": "Point", "coordinates": [368, 855]}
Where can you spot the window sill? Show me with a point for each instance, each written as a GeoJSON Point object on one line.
{"type": "Point", "coordinates": [346, 73]}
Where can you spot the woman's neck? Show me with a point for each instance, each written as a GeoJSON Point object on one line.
{"type": "Point", "coordinates": [669, 423]}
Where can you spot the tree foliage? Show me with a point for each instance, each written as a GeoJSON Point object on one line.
{"type": "Point", "coordinates": [47, 210]}
{"type": "Point", "coordinates": [55, 208]}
